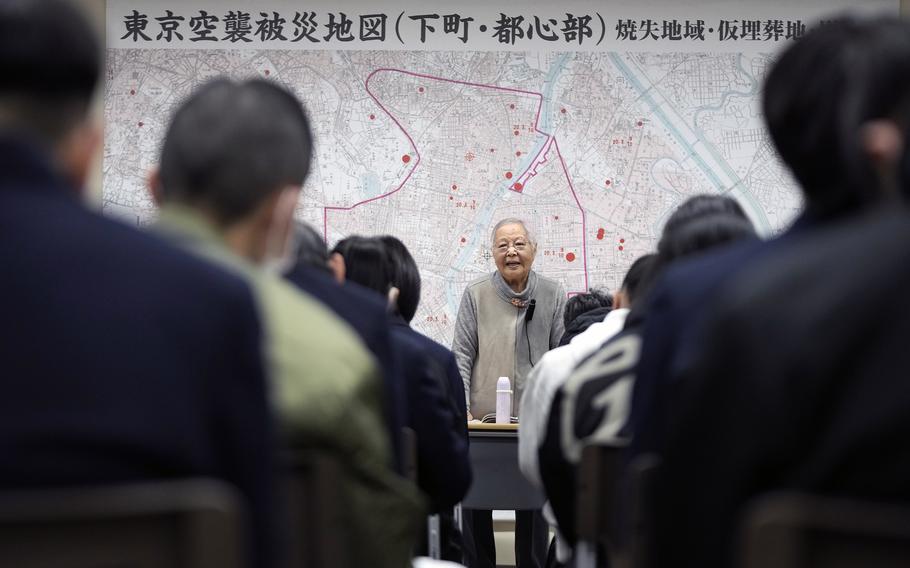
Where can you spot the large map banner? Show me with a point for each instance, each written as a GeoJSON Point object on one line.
{"type": "Point", "coordinates": [433, 120]}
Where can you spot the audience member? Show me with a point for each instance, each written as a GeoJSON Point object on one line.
{"type": "Point", "coordinates": [583, 310]}
{"type": "Point", "coordinates": [229, 179]}
{"type": "Point", "coordinates": [554, 368]}
{"type": "Point", "coordinates": [829, 103]}
{"type": "Point", "coordinates": [443, 468]}
{"type": "Point", "coordinates": [804, 395]}
{"type": "Point", "coordinates": [363, 309]}
{"type": "Point", "coordinates": [592, 405]}
{"type": "Point", "coordinates": [405, 278]}
{"type": "Point", "coordinates": [123, 358]}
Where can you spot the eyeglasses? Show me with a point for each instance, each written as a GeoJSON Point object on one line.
{"type": "Point", "coordinates": [519, 245]}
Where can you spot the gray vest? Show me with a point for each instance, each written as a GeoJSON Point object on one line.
{"type": "Point", "coordinates": [502, 347]}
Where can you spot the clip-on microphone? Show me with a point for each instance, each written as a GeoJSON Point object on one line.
{"type": "Point", "coordinates": [529, 315]}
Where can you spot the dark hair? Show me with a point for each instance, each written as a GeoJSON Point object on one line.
{"type": "Point", "coordinates": [309, 248]}
{"type": "Point", "coordinates": [232, 144]}
{"type": "Point", "coordinates": [404, 275]}
{"type": "Point", "coordinates": [639, 276]}
{"type": "Point", "coordinates": [49, 67]}
{"type": "Point", "coordinates": [701, 234]}
{"type": "Point", "coordinates": [699, 206]}
{"type": "Point", "coordinates": [366, 262]}
{"type": "Point", "coordinates": [581, 303]}
{"type": "Point", "coordinates": [700, 222]}
{"type": "Point", "coordinates": [820, 92]}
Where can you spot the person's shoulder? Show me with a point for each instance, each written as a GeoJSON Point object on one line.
{"type": "Point", "coordinates": [479, 281]}
{"type": "Point", "coordinates": [313, 337]}
{"type": "Point", "coordinates": [150, 264]}
{"type": "Point", "coordinates": [549, 284]}
{"type": "Point", "coordinates": [809, 277]}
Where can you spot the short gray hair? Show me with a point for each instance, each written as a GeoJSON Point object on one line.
{"type": "Point", "coordinates": [512, 221]}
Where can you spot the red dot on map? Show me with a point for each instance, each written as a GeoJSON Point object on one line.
{"type": "Point", "coordinates": [512, 106]}
{"type": "Point", "coordinates": [132, 91]}
{"type": "Point", "coordinates": [640, 123]}
{"type": "Point", "coordinates": [518, 153]}
{"type": "Point", "coordinates": [406, 158]}
{"type": "Point", "coordinates": [508, 175]}
{"type": "Point", "coordinates": [608, 182]}
{"type": "Point", "coordinates": [570, 256]}
{"type": "Point", "coordinates": [518, 186]}
{"type": "Point", "coordinates": [420, 90]}
{"type": "Point", "coordinates": [454, 187]}
{"type": "Point", "coordinates": [621, 247]}
{"type": "Point", "coordinates": [267, 72]}
{"type": "Point", "coordinates": [464, 240]}
{"type": "Point", "coordinates": [492, 149]}
{"type": "Point", "coordinates": [141, 124]}
{"type": "Point", "coordinates": [562, 110]}
{"type": "Point", "coordinates": [556, 217]}
{"type": "Point", "coordinates": [451, 198]}
{"type": "Point", "coordinates": [372, 117]}
{"type": "Point", "coordinates": [600, 234]}
{"type": "Point", "coordinates": [622, 240]}
{"type": "Point", "coordinates": [517, 133]}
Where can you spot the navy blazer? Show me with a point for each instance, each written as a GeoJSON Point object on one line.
{"type": "Point", "coordinates": [366, 312]}
{"type": "Point", "coordinates": [676, 308]}
{"type": "Point", "coordinates": [122, 358]}
{"type": "Point", "coordinates": [801, 385]}
{"type": "Point", "coordinates": [443, 466]}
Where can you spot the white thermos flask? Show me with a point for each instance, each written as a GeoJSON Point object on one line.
{"type": "Point", "coordinates": [503, 401]}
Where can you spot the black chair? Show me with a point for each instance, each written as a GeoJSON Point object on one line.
{"type": "Point", "coordinates": [317, 531]}
{"type": "Point", "coordinates": [167, 524]}
{"type": "Point", "coordinates": [793, 530]}
{"type": "Point", "coordinates": [599, 473]}
{"type": "Point", "coordinates": [642, 478]}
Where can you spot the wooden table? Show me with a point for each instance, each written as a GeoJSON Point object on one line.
{"type": "Point", "coordinates": [498, 483]}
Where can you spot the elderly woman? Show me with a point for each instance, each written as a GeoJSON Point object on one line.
{"type": "Point", "coordinates": [498, 333]}
{"type": "Point", "coordinates": [506, 322]}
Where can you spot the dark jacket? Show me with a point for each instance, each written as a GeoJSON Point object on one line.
{"type": "Point", "coordinates": [676, 308]}
{"type": "Point", "coordinates": [123, 359]}
{"type": "Point", "coordinates": [582, 322]}
{"type": "Point", "coordinates": [365, 311]}
{"type": "Point", "coordinates": [580, 405]}
{"type": "Point", "coordinates": [443, 467]}
{"type": "Point", "coordinates": [801, 384]}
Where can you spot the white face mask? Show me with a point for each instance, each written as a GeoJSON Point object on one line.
{"type": "Point", "coordinates": [279, 257]}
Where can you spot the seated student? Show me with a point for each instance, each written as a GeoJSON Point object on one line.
{"type": "Point", "coordinates": [551, 372]}
{"type": "Point", "coordinates": [554, 368]}
{"type": "Point", "coordinates": [364, 310]}
{"type": "Point", "coordinates": [810, 396]}
{"type": "Point", "coordinates": [124, 359]}
{"type": "Point", "coordinates": [583, 310]}
{"type": "Point", "coordinates": [405, 278]}
{"type": "Point", "coordinates": [229, 179]}
{"type": "Point", "coordinates": [828, 103]}
{"type": "Point", "coordinates": [592, 405]}
{"type": "Point", "coordinates": [443, 468]}
{"type": "Point", "coordinates": [810, 393]}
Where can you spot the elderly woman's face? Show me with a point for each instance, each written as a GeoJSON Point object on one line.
{"type": "Point", "coordinates": [513, 252]}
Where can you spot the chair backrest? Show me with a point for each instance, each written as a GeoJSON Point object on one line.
{"type": "Point", "coordinates": [793, 530]}
{"type": "Point", "coordinates": [167, 524]}
{"type": "Point", "coordinates": [642, 478]}
{"type": "Point", "coordinates": [318, 535]}
{"type": "Point", "coordinates": [599, 473]}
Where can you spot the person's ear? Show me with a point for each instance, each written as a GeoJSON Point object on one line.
{"type": "Point", "coordinates": [76, 153]}
{"type": "Point", "coordinates": [882, 142]}
{"type": "Point", "coordinates": [392, 297]}
{"type": "Point", "coordinates": [619, 300]}
{"type": "Point", "coordinates": [153, 184]}
{"type": "Point", "coordinates": [338, 268]}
